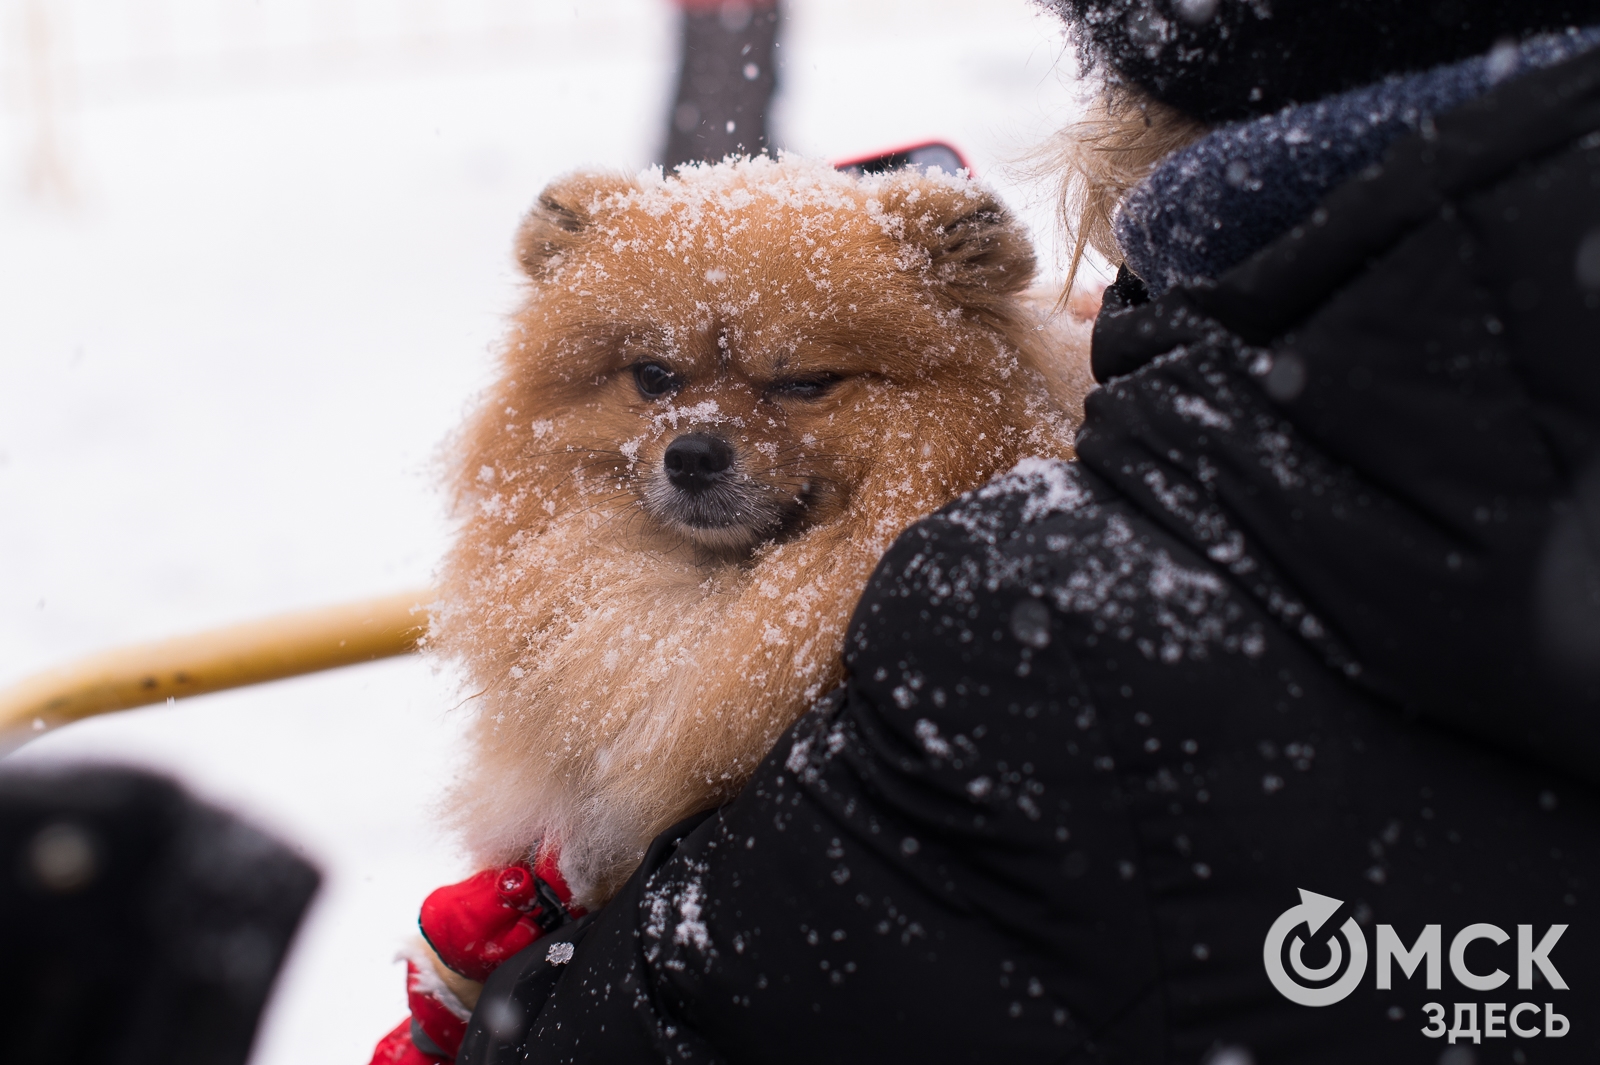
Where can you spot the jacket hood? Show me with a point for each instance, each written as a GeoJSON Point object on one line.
{"type": "Point", "coordinates": [1400, 439]}
{"type": "Point", "coordinates": [1208, 206]}
{"type": "Point", "coordinates": [1223, 60]}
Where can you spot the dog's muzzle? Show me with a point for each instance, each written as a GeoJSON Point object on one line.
{"type": "Point", "coordinates": [697, 462]}
{"type": "Point", "coordinates": [703, 490]}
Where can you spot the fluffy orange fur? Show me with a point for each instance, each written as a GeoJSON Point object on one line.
{"type": "Point", "coordinates": [865, 351]}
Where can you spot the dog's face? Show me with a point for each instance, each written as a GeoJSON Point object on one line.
{"type": "Point", "coordinates": [722, 359]}
{"type": "Point", "coordinates": [725, 431]}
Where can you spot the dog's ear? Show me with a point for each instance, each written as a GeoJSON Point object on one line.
{"type": "Point", "coordinates": [564, 210]}
{"type": "Point", "coordinates": [976, 251]}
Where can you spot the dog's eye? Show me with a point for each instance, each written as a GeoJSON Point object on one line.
{"type": "Point", "coordinates": [655, 380]}
{"type": "Point", "coordinates": [804, 387]}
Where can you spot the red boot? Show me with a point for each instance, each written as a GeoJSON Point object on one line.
{"type": "Point", "coordinates": [398, 1049]}
{"type": "Point", "coordinates": [472, 926]}
{"type": "Point", "coordinates": [475, 925]}
{"type": "Point", "coordinates": [438, 1017]}
{"type": "Point", "coordinates": [433, 1034]}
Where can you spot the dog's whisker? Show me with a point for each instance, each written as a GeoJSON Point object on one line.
{"type": "Point", "coordinates": [597, 504]}
{"type": "Point", "coordinates": [804, 461]}
{"type": "Point", "coordinates": [576, 471]}
{"type": "Point", "coordinates": [628, 514]}
{"type": "Point", "coordinates": [573, 449]}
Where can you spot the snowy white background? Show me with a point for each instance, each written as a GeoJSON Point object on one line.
{"type": "Point", "coordinates": [248, 292]}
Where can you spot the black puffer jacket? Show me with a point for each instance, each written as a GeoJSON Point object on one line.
{"type": "Point", "coordinates": [1319, 608]}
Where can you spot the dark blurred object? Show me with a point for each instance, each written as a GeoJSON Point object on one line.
{"type": "Point", "coordinates": [1569, 574]}
{"type": "Point", "coordinates": [1225, 61]}
{"type": "Point", "coordinates": [136, 924]}
{"type": "Point", "coordinates": [725, 80]}
{"type": "Point", "coordinates": [923, 156]}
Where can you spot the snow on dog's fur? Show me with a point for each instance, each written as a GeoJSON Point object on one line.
{"type": "Point", "coordinates": [726, 393]}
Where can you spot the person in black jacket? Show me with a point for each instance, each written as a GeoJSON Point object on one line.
{"type": "Point", "coordinates": [138, 925]}
{"type": "Point", "coordinates": [1267, 731]}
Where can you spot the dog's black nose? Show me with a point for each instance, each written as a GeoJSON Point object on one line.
{"type": "Point", "coordinates": [696, 461]}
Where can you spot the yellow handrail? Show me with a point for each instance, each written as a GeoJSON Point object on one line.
{"type": "Point", "coordinates": [269, 649]}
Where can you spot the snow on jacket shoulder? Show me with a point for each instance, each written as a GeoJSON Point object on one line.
{"type": "Point", "coordinates": [1317, 611]}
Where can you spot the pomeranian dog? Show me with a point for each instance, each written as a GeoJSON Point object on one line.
{"type": "Point", "coordinates": [726, 393]}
